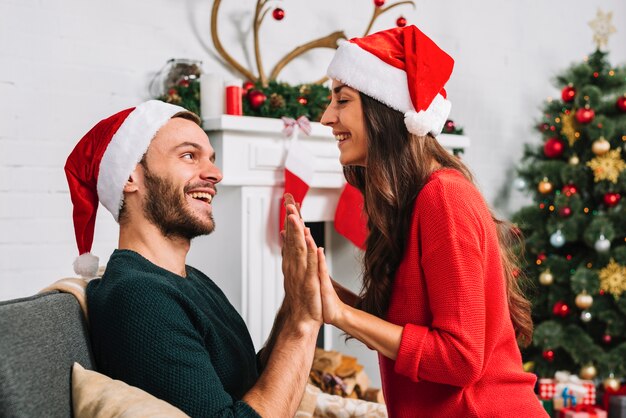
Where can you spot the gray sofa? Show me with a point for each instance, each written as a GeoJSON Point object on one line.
{"type": "Point", "coordinates": [40, 338]}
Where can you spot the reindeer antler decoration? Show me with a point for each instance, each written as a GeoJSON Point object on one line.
{"type": "Point", "coordinates": [329, 41]}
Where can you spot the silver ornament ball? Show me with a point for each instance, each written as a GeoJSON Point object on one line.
{"type": "Point", "coordinates": [519, 184]}
{"type": "Point", "coordinates": [557, 239]}
{"type": "Point", "coordinates": [602, 245]}
{"type": "Point", "coordinates": [585, 316]}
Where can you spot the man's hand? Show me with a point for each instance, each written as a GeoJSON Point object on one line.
{"type": "Point", "coordinates": [300, 267]}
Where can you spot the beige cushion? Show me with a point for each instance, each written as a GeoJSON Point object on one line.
{"type": "Point", "coordinates": [95, 395]}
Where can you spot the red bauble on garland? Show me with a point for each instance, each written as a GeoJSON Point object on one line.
{"type": "Point", "coordinates": [621, 103]}
{"type": "Point", "coordinates": [611, 199]}
{"type": "Point", "coordinates": [401, 22]}
{"type": "Point", "coordinates": [568, 93]}
{"type": "Point", "coordinates": [554, 147]}
{"type": "Point", "coordinates": [548, 355]}
{"type": "Point", "coordinates": [247, 85]}
{"type": "Point", "coordinates": [569, 190]}
{"type": "Point", "coordinates": [561, 309]}
{"type": "Point", "coordinates": [585, 115]}
{"type": "Point", "coordinates": [278, 13]}
{"type": "Point", "coordinates": [256, 99]}
{"type": "Point", "coordinates": [303, 101]}
{"type": "Point", "coordinates": [379, 3]}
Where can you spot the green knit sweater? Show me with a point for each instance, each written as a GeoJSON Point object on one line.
{"type": "Point", "coordinates": [175, 337]}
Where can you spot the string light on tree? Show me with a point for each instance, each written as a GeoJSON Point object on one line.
{"type": "Point", "coordinates": [607, 339]}
{"type": "Point", "coordinates": [573, 160]}
{"type": "Point", "coordinates": [565, 212]}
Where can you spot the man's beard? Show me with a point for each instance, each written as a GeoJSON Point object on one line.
{"type": "Point", "coordinates": [165, 207]}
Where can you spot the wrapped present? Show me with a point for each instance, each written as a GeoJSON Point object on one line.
{"type": "Point", "coordinates": [617, 407]}
{"type": "Point", "coordinates": [583, 390]}
{"type": "Point", "coordinates": [610, 393]}
{"type": "Point", "coordinates": [583, 411]}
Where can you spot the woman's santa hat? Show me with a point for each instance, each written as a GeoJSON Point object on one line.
{"type": "Point", "coordinates": [99, 167]}
{"type": "Point", "coordinates": [402, 68]}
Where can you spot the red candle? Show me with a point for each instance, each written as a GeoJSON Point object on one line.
{"type": "Point", "coordinates": [233, 99]}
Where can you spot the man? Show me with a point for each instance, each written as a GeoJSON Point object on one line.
{"type": "Point", "coordinates": [157, 323]}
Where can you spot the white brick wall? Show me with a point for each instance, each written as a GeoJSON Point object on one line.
{"type": "Point", "coordinates": [66, 64]}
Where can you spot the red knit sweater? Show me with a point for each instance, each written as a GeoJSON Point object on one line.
{"type": "Point", "coordinates": [458, 356]}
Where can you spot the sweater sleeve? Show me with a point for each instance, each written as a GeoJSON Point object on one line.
{"type": "Point", "coordinates": [151, 338]}
{"type": "Point", "coordinates": [451, 350]}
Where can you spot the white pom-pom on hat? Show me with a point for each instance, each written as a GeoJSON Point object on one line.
{"type": "Point", "coordinates": [86, 265]}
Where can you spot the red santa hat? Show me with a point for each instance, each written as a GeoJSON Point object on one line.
{"type": "Point", "coordinates": [99, 167]}
{"type": "Point", "coordinates": [402, 68]}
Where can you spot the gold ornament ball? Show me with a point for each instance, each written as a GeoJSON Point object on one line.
{"type": "Point", "coordinates": [600, 146]}
{"type": "Point", "coordinates": [546, 278]}
{"type": "Point", "coordinates": [584, 300]}
{"type": "Point", "coordinates": [611, 383]}
{"type": "Point", "coordinates": [574, 160]}
{"type": "Point", "coordinates": [545, 187]}
{"type": "Point", "coordinates": [588, 372]}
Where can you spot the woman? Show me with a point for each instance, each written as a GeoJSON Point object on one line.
{"type": "Point", "coordinates": [440, 302]}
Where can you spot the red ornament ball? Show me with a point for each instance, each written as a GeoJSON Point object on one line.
{"type": "Point", "coordinates": [621, 103]}
{"type": "Point", "coordinates": [247, 85]}
{"type": "Point", "coordinates": [565, 212]}
{"type": "Point", "coordinates": [449, 126]}
{"type": "Point", "coordinates": [561, 309]}
{"type": "Point", "coordinates": [379, 3]}
{"type": "Point", "coordinates": [606, 339]}
{"type": "Point", "coordinates": [569, 190]}
{"type": "Point", "coordinates": [541, 256]}
{"type": "Point", "coordinates": [612, 199]}
{"type": "Point", "coordinates": [544, 127]}
{"type": "Point", "coordinates": [401, 22]}
{"type": "Point", "coordinates": [568, 93]}
{"type": "Point", "coordinates": [256, 99]}
{"type": "Point", "coordinates": [585, 115]}
{"type": "Point", "coordinates": [278, 13]}
{"type": "Point", "coordinates": [554, 147]}
{"type": "Point", "coordinates": [548, 355]}
{"type": "Point", "coordinates": [303, 101]}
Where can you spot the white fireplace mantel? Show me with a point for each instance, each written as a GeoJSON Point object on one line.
{"type": "Point", "coordinates": [243, 254]}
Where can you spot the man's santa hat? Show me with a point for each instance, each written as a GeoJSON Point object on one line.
{"type": "Point", "coordinates": [99, 167]}
{"type": "Point", "coordinates": [402, 68]}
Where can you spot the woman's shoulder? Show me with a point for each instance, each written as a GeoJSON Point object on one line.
{"type": "Point", "coordinates": [449, 183]}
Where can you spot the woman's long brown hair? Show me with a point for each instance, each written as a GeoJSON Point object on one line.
{"type": "Point", "coordinates": [398, 166]}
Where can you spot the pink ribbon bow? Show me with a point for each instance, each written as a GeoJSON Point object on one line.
{"type": "Point", "coordinates": [302, 122]}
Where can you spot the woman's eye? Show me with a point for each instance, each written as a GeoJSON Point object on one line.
{"type": "Point", "coordinates": [188, 156]}
{"type": "Point", "coordinates": [342, 101]}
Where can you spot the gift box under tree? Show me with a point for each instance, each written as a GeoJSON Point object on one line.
{"type": "Point", "coordinates": [583, 390]}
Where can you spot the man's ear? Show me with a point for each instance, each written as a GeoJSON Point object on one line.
{"type": "Point", "coordinates": [131, 185]}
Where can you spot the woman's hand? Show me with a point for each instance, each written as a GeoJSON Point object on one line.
{"type": "Point", "coordinates": [332, 307]}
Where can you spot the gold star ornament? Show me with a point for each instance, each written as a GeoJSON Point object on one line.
{"type": "Point", "coordinates": [613, 279]}
{"type": "Point", "coordinates": [602, 28]}
{"type": "Point", "coordinates": [607, 166]}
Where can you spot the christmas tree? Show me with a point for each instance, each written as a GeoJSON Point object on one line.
{"type": "Point", "coordinates": [575, 230]}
